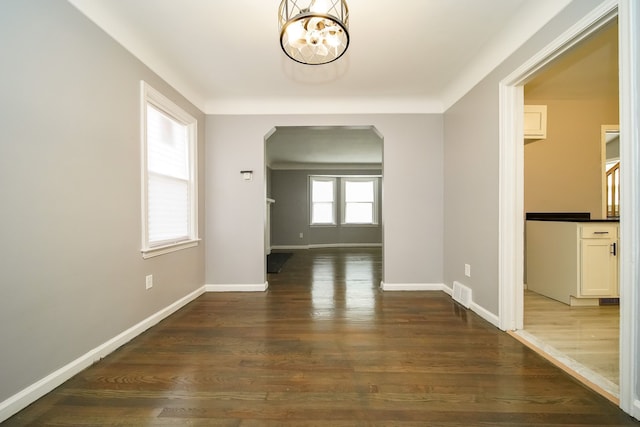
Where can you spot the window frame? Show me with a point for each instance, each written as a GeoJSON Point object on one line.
{"type": "Point", "coordinates": [343, 200]}
{"type": "Point", "coordinates": [150, 96]}
{"type": "Point", "coordinates": [333, 180]}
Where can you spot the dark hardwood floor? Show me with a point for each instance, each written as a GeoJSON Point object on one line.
{"type": "Point", "coordinates": [323, 347]}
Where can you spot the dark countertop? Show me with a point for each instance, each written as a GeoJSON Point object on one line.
{"type": "Point", "coordinates": [566, 217]}
{"type": "Point", "coordinates": [575, 220]}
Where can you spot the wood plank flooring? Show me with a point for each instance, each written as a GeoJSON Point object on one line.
{"type": "Point", "coordinates": [587, 338]}
{"type": "Point", "coordinates": [323, 347]}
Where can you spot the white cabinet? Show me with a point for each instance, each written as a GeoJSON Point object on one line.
{"type": "Point", "coordinates": [599, 261]}
{"type": "Point", "coordinates": [535, 121]}
{"type": "Point", "coordinates": [572, 262]}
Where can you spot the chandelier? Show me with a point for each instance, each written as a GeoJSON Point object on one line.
{"type": "Point", "coordinates": [314, 31]}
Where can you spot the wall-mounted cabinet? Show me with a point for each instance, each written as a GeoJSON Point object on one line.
{"type": "Point", "coordinates": [535, 121]}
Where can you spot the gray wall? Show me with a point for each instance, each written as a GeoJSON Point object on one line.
{"type": "Point", "coordinates": [71, 273]}
{"type": "Point", "coordinates": [412, 199]}
{"type": "Point", "coordinates": [290, 214]}
{"type": "Point", "coordinates": [471, 159]}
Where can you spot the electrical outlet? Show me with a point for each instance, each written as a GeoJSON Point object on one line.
{"type": "Point", "coordinates": [148, 281]}
{"type": "Point", "coordinates": [467, 270]}
{"type": "Point", "coordinates": [301, 235]}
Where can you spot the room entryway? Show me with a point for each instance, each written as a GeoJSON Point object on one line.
{"type": "Point", "coordinates": [324, 187]}
{"type": "Point", "coordinates": [512, 182]}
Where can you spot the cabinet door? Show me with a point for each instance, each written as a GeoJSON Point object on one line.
{"type": "Point", "coordinates": [599, 268]}
{"type": "Point", "coordinates": [535, 121]}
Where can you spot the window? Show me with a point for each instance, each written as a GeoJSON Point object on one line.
{"type": "Point", "coordinates": [169, 193]}
{"type": "Point", "coordinates": [359, 200]}
{"type": "Point", "coordinates": [323, 195]}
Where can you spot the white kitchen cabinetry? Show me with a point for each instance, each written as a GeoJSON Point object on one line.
{"type": "Point", "coordinates": [573, 262]}
{"type": "Point", "coordinates": [535, 121]}
{"type": "Point", "coordinates": [599, 250]}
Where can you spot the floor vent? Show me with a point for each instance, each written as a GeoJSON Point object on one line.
{"type": "Point", "coordinates": [462, 294]}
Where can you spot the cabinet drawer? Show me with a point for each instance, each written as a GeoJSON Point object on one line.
{"type": "Point", "coordinates": [602, 232]}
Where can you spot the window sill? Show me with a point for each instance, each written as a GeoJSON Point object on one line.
{"type": "Point", "coordinates": [165, 249]}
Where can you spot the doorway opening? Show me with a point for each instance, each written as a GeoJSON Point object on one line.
{"type": "Point", "coordinates": [324, 187]}
{"type": "Point", "coordinates": [571, 293]}
{"type": "Point", "coordinates": [511, 259]}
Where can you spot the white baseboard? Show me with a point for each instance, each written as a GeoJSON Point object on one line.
{"type": "Point", "coordinates": [260, 287]}
{"type": "Point", "coordinates": [345, 245]}
{"type": "Point", "coordinates": [636, 409]}
{"type": "Point", "coordinates": [447, 290]}
{"type": "Point", "coordinates": [412, 286]}
{"type": "Point", "coordinates": [35, 391]}
{"type": "Point", "coordinates": [485, 314]}
{"type": "Point", "coordinates": [289, 247]}
{"type": "Point", "coordinates": [479, 310]}
{"type": "Point", "coordinates": [327, 245]}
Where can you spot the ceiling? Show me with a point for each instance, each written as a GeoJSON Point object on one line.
{"type": "Point", "coordinates": [324, 147]}
{"type": "Point", "coordinates": [410, 56]}
{"type": "Point", "coordinates": [588, 71]}
{"type": "Point", "coordinates": [414, 56]}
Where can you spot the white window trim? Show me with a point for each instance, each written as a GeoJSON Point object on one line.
{"type": "Point", "coordinates": [150, 95]}
{"type": "Point", "coordinates": [343, 200]}
{"type": "Point", "coordinates": [340, 202]}
{"type": "Point", "coordinates": [333, 180]}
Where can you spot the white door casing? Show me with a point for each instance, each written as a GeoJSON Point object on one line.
{"type": "Point", "coordinates": [511, 185]}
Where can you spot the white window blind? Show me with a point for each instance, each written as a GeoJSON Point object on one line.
{"type": "Point", "coordinates": [169, 185]}
{"type": "Point", "coordinates": [359, 201]}
{"type": "Point", "coordinates": [168, 167]}
{"type": "Point", "coordinates": [323, 193]}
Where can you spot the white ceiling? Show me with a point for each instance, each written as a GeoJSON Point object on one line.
{"type": "Point", "coordinates": [409, 56]}
{"type": "Point", "coordinates": [587, 71]}
{"type": "Point", "coordinates": [324, 147]}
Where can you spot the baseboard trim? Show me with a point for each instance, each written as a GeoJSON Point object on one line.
{"type": "Point", "coordinates": [289, 247]}
{"type": "Point", "coordinates": [345, 245]}
{"type": "Point", "coordinates": [35, 391]}
{"type": "Point", "coordinates": [479, 310]}
{"type": "Point", "coordinates": [636, 409]}
{"type": "Point", "coordinates": [413, 286]}
{"type": "Point", "coordinates": [327, 245]}
{"type": "Point", "coordinates": [447, 290]}
{"type": "Point", "coordinates": [260, 287]}
{"type": "Point", "coordinates": [485, 314]}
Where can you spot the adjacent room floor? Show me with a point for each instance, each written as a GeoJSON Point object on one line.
{"type": "Point", "coordinates": [585, 339]}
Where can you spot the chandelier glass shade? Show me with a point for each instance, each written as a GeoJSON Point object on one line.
{"type": "Point", "coordinates": [314, 31]}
